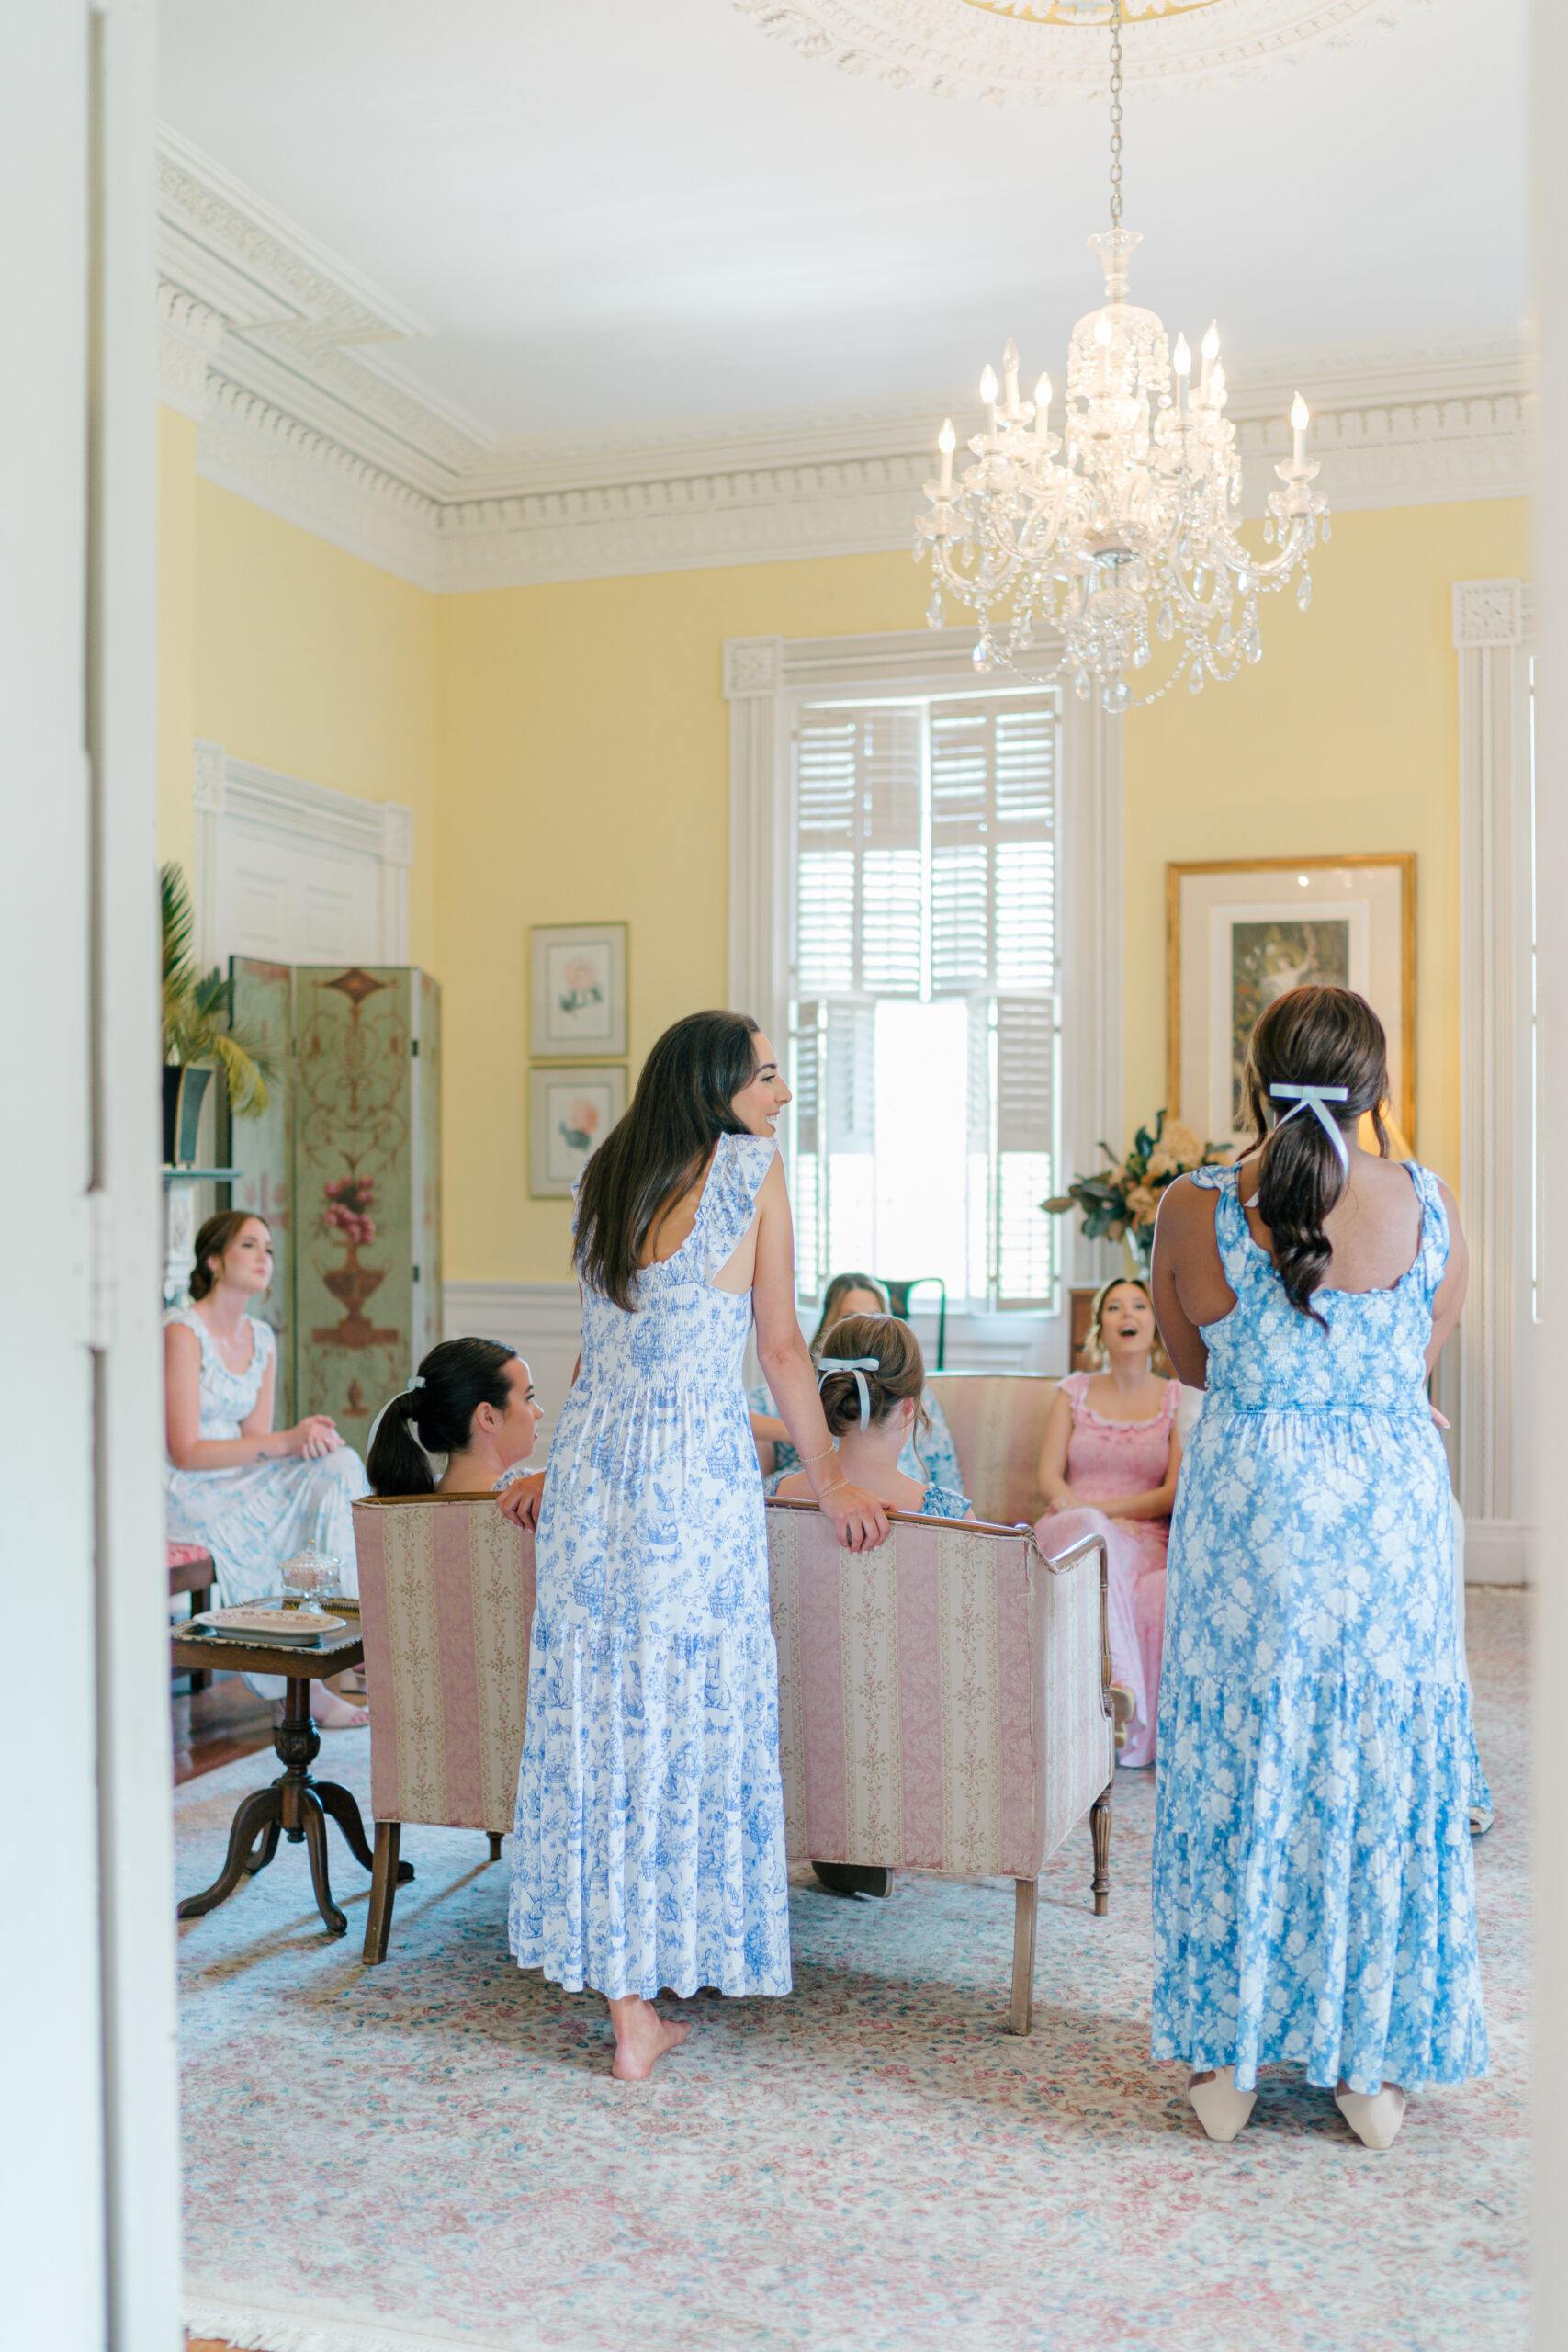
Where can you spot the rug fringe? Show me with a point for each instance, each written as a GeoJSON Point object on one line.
{"type": "Point", "coordinates": [252, 2329]}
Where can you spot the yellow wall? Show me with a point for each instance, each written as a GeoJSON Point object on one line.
{"type": "Point", "coordinates": [1344, 738]}
{"type": "Point", "coordinates": [575, 741]}
{"type": "Point", "coordinates": [293, 656]}
{"type": "Point", "coordinates": [585, 778]}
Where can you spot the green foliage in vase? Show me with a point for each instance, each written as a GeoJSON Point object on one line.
{"type": "Point", "coordinates": [198, 1025]}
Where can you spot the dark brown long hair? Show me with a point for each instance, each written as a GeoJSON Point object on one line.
{"type": "Point", "coordinates": [682, 1106]}
{"type": "Point", "coordinates": [213, 1241]}
{"type": "Point", "coordinates": [1317, 1035]}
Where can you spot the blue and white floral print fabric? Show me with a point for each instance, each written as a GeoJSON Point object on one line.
{"type": "Point", "coordinates": [253, 1517]}
{"type": "Point", "coordinates": [649, 1846]}
{"type": "Point", "coordinates": [1313, 1897]}
{"type": "Point", "coordinates": [945, 1502]}
{"type": "Point", "coordinates": [928, 1452]}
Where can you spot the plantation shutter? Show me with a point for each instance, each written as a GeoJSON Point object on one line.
{"type": "Point", "coordinates": [858, 792]}
{"type": "Point", "coordinates": [1025, 1094]}
{"type": "Point", "coordinates": [993, 845]}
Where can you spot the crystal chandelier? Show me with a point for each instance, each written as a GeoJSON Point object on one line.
{"type": "Point", "coordinates": [1131, 509]}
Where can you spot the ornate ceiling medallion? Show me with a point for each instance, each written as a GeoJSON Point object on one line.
{"type": "Point", "coordinates": [1037, 52]}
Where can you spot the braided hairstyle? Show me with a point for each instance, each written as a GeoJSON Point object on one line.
{"type": "Point", "coordinates": [901, 1370]}
{"type": "Point", "coordinates": [457, 1378]}
{"type": "Point", "coordinates": [1316, 1035]}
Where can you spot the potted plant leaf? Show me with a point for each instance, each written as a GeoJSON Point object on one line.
{"type": "Point", "coordinates": [200, 1032]}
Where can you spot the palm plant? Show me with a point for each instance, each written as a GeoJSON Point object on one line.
{"type": "Point", "coordinates": [198, 1025]}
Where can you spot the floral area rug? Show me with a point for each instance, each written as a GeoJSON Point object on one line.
{"type": "Point", "coordinates": [434, 2153]}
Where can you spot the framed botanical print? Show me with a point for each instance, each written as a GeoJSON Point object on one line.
{"type": "Point", "coordinates": [1242, 931]}
{"type": "Point", "coordinates": [579, 993]}
{"type": "Point", "coordinates": [570, 1112]}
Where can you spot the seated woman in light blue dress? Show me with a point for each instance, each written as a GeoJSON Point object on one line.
{"type": "Point", "coordinates": [873, 1380]}
{"type": "Point", "coordinates": [464, 1424]}
{"type": "Point", "coordinates": [1314, 1900]}
{"type": "Point", "coordinates": [249, 1494]}
{"type": "Point", "coordinates": [928, 1453]}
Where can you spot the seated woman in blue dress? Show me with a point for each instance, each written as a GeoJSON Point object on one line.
{"type": "Point", "coordinates": [250, 1494]}
{"type": "Point", "coordinates": [930, 1454]}
{"type": "Point", "coordinates": [873, 1378]}
{"type": "Point", "coordinates": [464, 1424]}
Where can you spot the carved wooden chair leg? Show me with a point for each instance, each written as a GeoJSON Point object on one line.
{"type": "Point", "coordinates": [494, 1836]}
{"type": "Point", "coordinates": [250, 1824]}
{"type": "Point", "coordinates": [385, 1876]}
{"type": "Point", "coordinates": [314, 1822]}
{"type": "Point", "coordinates": [1026, 1908]}
{"type": "Point", "coordinates": [1100, 1830]}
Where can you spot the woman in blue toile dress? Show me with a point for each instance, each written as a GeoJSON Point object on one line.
{"type": "Point", "coordinates": [1313, 1897]}
{"type": "Point", "coordinates": [648, 1849]}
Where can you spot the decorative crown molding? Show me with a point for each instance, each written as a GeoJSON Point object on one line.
{"type": "Point", "coordinates": [285, 356]}
{"type": "Point", "coordinates": [1042, 52]}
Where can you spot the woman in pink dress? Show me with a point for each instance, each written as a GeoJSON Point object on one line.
{"type": "Point", "coordinates": [1108, 1467]}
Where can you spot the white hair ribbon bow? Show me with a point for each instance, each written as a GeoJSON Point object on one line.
{"type": "Point", "coordinates": [1318, 1099]}
{"type": "Point", "coordinates": [860, 1366]}
{"type": "Point", "coordinates": [417, 1382]}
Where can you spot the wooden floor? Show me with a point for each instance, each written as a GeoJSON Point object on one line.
{"type": "Point", "coordinates": [216, 1726]}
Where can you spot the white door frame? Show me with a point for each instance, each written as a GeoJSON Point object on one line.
{"type": "Point", "coordinates": [89, 2210]}
{"type": "Point", "coordinates": [314, 813]}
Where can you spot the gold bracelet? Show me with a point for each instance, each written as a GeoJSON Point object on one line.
{"type": "Point", "coordinates": [808, 1459]}
{"type": "Point", "coordinates": [836, 1488]}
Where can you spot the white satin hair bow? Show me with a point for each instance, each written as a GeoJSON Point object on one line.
{"type": "Point", "coordinates": [1316, 1098]}
{"type": "Point", "coordinates": [860, 1366]}
{"type": "Point", "coordinates": [417, 1382]}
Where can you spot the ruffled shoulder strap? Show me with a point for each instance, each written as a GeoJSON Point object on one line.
{"type": "Point", "coordinates": [1432, 1258]}
{"type": "Point", "coordinates": [183, 1312]}
{"type": "Point", "coordinates": [266, 1339]}
{"type": "Point", "coordinates": [730, 1198]}
{"type": "Point", "coordinates": [1073, 1386]}
{"type": "Point", "coordinates": [1231, 1234]}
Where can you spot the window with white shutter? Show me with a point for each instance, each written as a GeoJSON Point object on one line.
{"type": "Point", "coordinates": [925, 1045]}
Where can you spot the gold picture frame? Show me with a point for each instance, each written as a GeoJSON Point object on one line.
{"type": "Point", "coordinates": [1350, 918]}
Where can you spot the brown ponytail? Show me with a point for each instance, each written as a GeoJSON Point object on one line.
{"type": "Point", "coordinates": [1317, 1035]}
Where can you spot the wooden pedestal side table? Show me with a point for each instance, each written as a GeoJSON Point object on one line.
{"type": "Point", "coordinates": [293, 1805]}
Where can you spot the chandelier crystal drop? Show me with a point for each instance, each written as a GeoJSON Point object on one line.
{"type": "Point", "coordinates": [1122, 527]}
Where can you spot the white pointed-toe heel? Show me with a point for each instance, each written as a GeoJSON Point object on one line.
{"type": "Point", "coordinates": [1220, 2107]}
{"type": "Point", "coordinates": [1374, 2116]}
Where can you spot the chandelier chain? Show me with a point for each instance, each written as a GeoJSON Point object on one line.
{"type": "Point", "coordinates": [1116, 113]}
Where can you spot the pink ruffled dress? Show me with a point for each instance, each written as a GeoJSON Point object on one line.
{"type": "Point", "coordinates": [1112, 1458]}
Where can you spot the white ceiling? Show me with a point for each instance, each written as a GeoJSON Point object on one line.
{"type": "Point", "coordinates": [616, 214]}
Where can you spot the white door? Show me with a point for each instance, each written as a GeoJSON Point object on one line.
{"type": "Point", "coordinates": [288, 900]}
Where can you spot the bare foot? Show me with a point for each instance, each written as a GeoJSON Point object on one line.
{"type": "Point", "coordinates": [333, 1712]}
{"type": "Point", "coordinates": [641, 2036]}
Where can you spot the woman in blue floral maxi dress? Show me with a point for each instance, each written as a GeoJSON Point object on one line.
{"type": "Point", "coordinates": [1313, 1899]}
{"type": "Point", "coordinates": [648, 1849]}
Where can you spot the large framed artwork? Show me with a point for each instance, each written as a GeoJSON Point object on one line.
{"type": "Point", "coordinates": [1241, 930]}
{"type": "Point", "coordinates": [578, 994]}
{"type": "Point", "coordinates": [570, 1112]}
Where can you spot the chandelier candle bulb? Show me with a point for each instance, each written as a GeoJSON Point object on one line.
{"type": "Point", "coordinates": [1181, 360]}
{"type": "Point", "coordinates": [946, 441]}
{"type": "Point", "coordinates": [1041, 408]}
{"type": "Point", "coordinates": [1210, 349]}
{"type": "Point", "coordinates": [988, 395]}
{"type": "Point", "coordinates": [1009, 370]}
{"type": "Point", "coordinates": [1299, 420]}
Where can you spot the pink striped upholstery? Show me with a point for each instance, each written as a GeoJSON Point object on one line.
{"type": "Point", "coordinates": [941, 1701]}
{"type": "Point", "coordinates": [446, 1600]}
{"type": "Point", "coordinates": [997, 1419]}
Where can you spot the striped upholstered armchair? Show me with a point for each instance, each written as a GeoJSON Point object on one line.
{"type": "Point", "coordinates": [446, 1600]}
{"type": "Point", "coordinates": [945, 1704]}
